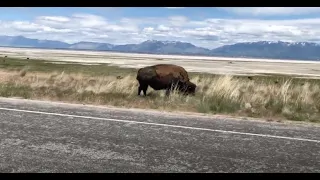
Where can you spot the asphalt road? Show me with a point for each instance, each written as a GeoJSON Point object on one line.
{"type": "Point", "coordinates": [53, 137]}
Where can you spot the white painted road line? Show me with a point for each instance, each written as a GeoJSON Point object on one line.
{"type": "Point", "coordinates": [164, 125]}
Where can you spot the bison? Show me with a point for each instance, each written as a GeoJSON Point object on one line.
{"type": "Point", "coordinates": [165, 77]}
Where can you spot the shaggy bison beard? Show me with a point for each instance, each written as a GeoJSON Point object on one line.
{"type": "Point", "coordinates": [187, 88]}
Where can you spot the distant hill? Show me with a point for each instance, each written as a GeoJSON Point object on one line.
{"type": "Point", "coordinates": [20, 41]}
{"type": "Point", "coordinates": [260, 49]}
{"type": "Point", "coordinates": [91, 46]}
{"type": "Point", "coordinates": [268, 49]}
{"type": "Point", "coordinates": [162, 47]}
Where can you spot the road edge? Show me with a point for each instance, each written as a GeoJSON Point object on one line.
{"type": "Point", "coordinates": [153, 111]}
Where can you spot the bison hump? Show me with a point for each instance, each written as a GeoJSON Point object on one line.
{"type": "Point", "coordinates": [173, 71]}
{"type": "Point", "coordinates": [147, 73]}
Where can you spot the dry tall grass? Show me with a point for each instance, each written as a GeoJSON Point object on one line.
{"type": "Point", "coordinates": [225, 94]}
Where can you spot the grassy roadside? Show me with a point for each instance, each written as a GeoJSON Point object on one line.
{"type": "Point", "coordinates": [271, 97]}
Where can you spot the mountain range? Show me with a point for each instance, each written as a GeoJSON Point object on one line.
{"type": "Point", "coordinates": [260, 49]}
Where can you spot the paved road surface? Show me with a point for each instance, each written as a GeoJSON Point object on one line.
{"type": "Point", "coordinates": [52, 137]}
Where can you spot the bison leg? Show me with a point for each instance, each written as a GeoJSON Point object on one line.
{"type": "Point", "coordinates": [172, 87]}
{"type": "Point", "coordinates": [145, 90]}
{"type": "Point", "coordinates": [168, 90]}
{"type": "Point", "coordinates": [143, 87]}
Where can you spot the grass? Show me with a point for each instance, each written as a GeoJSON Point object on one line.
{"type": "Point", "coordinates": [271, 97]}
{"type": "Point", "coordinates": [32, 65]}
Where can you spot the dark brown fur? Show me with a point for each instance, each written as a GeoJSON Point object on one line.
{"type": "Point", "coordinates": [164, 76]}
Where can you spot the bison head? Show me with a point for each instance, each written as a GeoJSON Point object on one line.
{"type": "Point", "coordinates": [188, 88]}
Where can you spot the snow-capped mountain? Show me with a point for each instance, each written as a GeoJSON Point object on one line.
{"type": "Point", "coordinates": [269, 49]}
{"type": "Point", "coordinates": [260, 49]}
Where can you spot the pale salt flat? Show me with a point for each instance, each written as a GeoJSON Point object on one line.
{"type": "Point", "coordinates": [214, 65]}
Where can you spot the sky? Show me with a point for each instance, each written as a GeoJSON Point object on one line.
{"type": "Point", "coordinates": [208, 27]}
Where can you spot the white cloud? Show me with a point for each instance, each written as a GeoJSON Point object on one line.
{"type": "Point", "coordinates": [210, 33]}
{"type": "Point", "coordinates": [54, 18]}
{"type": "Point", "coordinates": [164, 28]}
{"type": "Point", "coordinates": [273, 11]}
